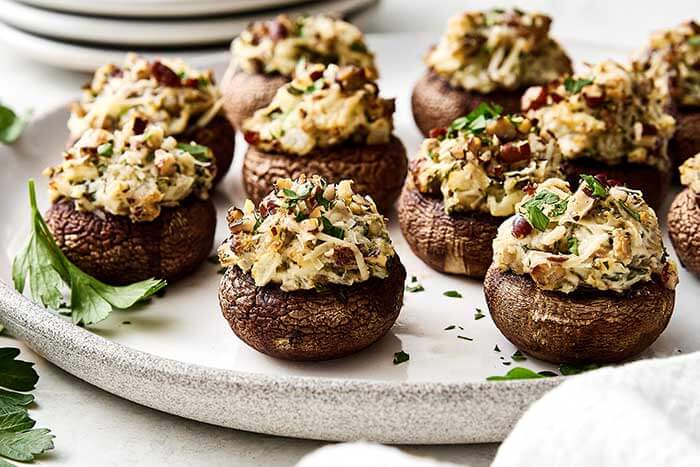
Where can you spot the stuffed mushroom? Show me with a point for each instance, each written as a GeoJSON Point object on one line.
{"type": "Point", "coordinates": [329, 121]}
{"type": "Point", "coordinates": [184, 102]}
{"type": "Point", "coordinates": [684, 217]}
{"type": "Point", "coordinates": [311, 272]}
{"type": "Point", "coordinates": [266, 54]}
{"type": "Point", "coordinates": [133, 204]}
{"type": "Point", "coordinates": [465, 180]}
{"type": "Point", "coordinates": [490, 56]}
{"type": "Point", "coordinates": [672, 60]}
{"type": "Point", "coordinates": [609, 120]}
{"type": "Point", "coordinates": [582, 276]}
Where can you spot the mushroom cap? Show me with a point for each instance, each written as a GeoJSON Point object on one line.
{"type": "Point", "coordinates": [684, 229]}
{"type": "Point", "coordinates": [308, 324]}
{"type": "Point", "coordinates": [436, 103]}
{"type": "Point", "coordinates": [244, 92]}
{"type": "Point", "coordinates": [119, 251]}
{"type": "Point", "coordinates": [686, 140]}
{"type": "Point", "coordinates": [590, 326]}
{"type": "Point", "coordinates": [378, 170]}
{"type": "Point", "coordinates": [652, 182]}
{"type": "Point", "coordinates": [219, 136]}
{"type": "Point", "coordinates": [456, 244]}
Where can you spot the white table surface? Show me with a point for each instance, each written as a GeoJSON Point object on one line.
{"type": "Point", "coordinates": [95, 428]}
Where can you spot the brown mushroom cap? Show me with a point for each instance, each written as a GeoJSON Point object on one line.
{"type": "Point", "coordinates": [684, 229]}
{"type": "Point", "coordinates": [436, 103]}
{"type": "Point", "coordinates": [378, 170]}
{"type": "Point", "coordinates": [244, 93]}
{"type": "Point", "coordinates": [652, 182]}
{"type": "Point", "coordinates": [686, 140]}
{"type": "Point", "coordinates": [593, 326]}
{"type": "Point", "coordinates": [310, 324]}
{"type": "Point", "coordinates": [118, 251]}
{"type": "Point", "coordinates": [219, 136]}
{"type": "Point", "coordinates": [456, 244]}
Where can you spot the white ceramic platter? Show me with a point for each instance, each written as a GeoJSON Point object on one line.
{"type": "Point", "coordinates": [179, 355]}
{"type": "Point", "coordinates": [125, 32]}
{"type": "Point", "coordinates": [159, 8]}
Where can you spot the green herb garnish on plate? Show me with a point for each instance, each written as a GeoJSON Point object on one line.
{"type": "Point", "coordinates": [49, 274]}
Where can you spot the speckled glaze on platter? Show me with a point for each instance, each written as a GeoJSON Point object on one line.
{"type": "Point", "coordinates": [178, 354]}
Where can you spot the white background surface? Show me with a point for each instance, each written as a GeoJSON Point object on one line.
{"type": "Point", "coordinates": [95, 428]}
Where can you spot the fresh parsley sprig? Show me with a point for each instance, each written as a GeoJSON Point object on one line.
{"type": "Point", "coordinates": [535, 207]}
{"type": "Point", "coordinates": [574, 86]}
{"type": "Point", "coordinates": [50, 273]}
{"type": "Point", "coordinates": [11, 125]}
{"type": "Point", "coordinates": [19, 440]}
{"type": "Point", "coordinates": [475, 121]}
{"type": "Point", "coordinates": [522, 373]}
{"type": "Point", "coordinates": [598, 190]}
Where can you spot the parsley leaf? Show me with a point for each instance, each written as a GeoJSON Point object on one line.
{"type": "Point", "coordinates": [49, 272]}
{"type": "Point", "coordinates": [332, 230]}
{"type": "Point", "coordinates": [452, 294]}
{"type": "Point", "coordinates": [465, 338]}
{"type": "Point", "coordinates": [625, 207]}
{"type": "Point", "coordinates": [105, 150]}
{"type": "Point", "coordinates": [518, 356]}
{"type": "Point", "coordinates": [479, 314]}
{"type": "Point", "coordinates": [534, 209]}
{"type": "Point", "coordinates": [572, 244]}
{"type": "Point", "coordinates": [537, 218]}
{"type": "Point", "coordinates": [476, 120]}
{"type": "Point", "coordinates": [17, 375]}
{"type": "Point", "coordinates": [198, 151]}
{"type": "Point", "coordinates": [574, 86]}
{"type": "Point", "coordinates": [413, 288]}
{"type": "Point", "coordinates": [11, 125]}
{"type": "Point", "coordinates": [521, 373]}
{"type": "Point", "coordinates": [18, 441]}
{"type": "Point", "coordinates": [568, 369]}
{"type": "Point", "coordinates": [303, 193]}
{"type": "Point", "coordinates": [401, 357]}
{"type": "Point", "coordinates": [450, 327]}
{"type": "Point", "coordinates": [598, 189]}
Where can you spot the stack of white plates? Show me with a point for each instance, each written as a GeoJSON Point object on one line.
{"type": "Point", "coordinates": [83, 34]}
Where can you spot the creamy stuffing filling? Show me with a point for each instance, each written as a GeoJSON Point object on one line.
{"type": "Point", "coordinates": [167, 93]}
{"type": "Point", "coordinates": [672, 60]}
{"type": "Point", "coordinates": [323, 106]}
{"type": "Point", "coordinates": [277, 46]}
{"type": "Point", "coordinates": [131, 172]}
{"type": "Point", "coordinates": [307, 234]}
{"type": "Point", "coordinates": [610, 114]}
{"type": "Point", "coordinates": [498, 49]}
{"type": "Point", "coordinates": [690, 173]}
{"type": "Point", "coordinates": [603, 236]}
{"type": "Point", "coordinates": [485, 162]}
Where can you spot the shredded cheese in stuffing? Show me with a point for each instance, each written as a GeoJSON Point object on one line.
{"type": "Point", "coordinates": [690, 173]}
{"type": "Point", "coordinates": [602, 236]}
{"type": "Point", "coordinates": [307, 234]}
{"type": "Point", "coordinates": [498, 49]}
{"type": "Point", "coordinates": [323, 106]}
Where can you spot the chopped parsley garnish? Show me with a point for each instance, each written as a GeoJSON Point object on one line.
{"type": "Point", "coordinates": [475, 121]}
{"type": "Point", "coordinates": [294, 91]}
{"type": "Point", "coordinates": [625, 207]}
{"type": "Point", "coordinates": [521, 373]}
{"type": "Point", "coordinates": [478, 314]}
{"type": "Point", "coordinates": [303, 192]}
{"type": "Point", "coordinates": [534, 209]}
{"type": "Point", "coordinates": [198, 151]}
{"type": "Point", "coordinates": [11, 125]}
{"type": "Point", "coordinates": [518, 356]}
{"type": "Point", "coordinates": [105, 150]}
{"type": "Point", "coordinates": [465, 338]}
{"type": "Point", "coordinates": [414, 285]}
{"type": "Point", "coordinates": [47, 270]}
{"type": "Point", "coordinates": [597, 189]}
{"type": "Point", "coordinates": [401, 357]}
{"type": "Point", "coordinates": [572, 245]}
{"type": "Point", "coordinates": [568, 369]}
{"type": "Point", "coordinates": [19, 440]}
{"type": "Point", "coordinates": [574, 86]}
{"type": "Point", "coordinates": [450, 327]}
{"type": "Point", "coordinates": [332, 230]}
{"type": "Point", "coordinates": [496, 348]}
{"type": "Point", "coordinates": [452, 294]}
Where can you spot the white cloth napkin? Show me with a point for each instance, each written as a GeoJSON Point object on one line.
{"type": "Point", "coordinates": [644, 414]}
